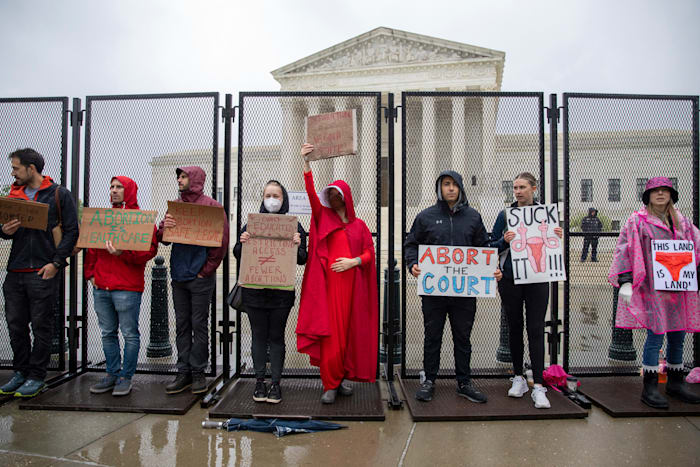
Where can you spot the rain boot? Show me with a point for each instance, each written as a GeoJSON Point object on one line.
{"type": "Point", "coordinates": [677, 388]}
{"type": "Point", "coordinates": [651, 395]}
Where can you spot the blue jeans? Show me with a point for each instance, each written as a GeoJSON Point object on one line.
{"type": "Point", "coordinates": [674, 348]}
{"type": "Point", "coordinates": [119, 309]}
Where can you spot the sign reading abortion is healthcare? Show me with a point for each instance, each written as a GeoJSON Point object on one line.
{"type": "Point", "coordinates": [457, 271]}
{"type": "Point", "coordinates": [127, 229]}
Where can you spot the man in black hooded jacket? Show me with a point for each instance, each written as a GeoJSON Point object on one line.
{"type": "Point", "coordinates": [450, 221]}
{"type": "Point", "coordinates": [591, 225]}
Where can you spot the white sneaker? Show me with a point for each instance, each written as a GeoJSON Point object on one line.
{"type": "Point", "coordinates": [519, 387]}
{"type": "Point", "coordinates": [541, 401]}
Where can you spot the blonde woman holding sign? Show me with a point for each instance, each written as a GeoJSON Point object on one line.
{"type": "Point", "coordinates": [534, 296]}
{"type": "Point", "coordinates": [640, 305]}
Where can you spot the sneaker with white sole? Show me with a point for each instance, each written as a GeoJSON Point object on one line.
{"type": "Point", "coordinates": [538, 396]}
{"type": "Point", "coordinates": [519, 387]}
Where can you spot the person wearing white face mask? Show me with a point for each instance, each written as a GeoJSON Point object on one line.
{"type": "Point", "coordinates": [268, 309]}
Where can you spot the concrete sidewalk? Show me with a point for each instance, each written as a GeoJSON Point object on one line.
{"type": "Point", "coordinates": [51, 438]}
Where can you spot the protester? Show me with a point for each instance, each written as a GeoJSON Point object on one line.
{"type": "Point", "coordinates": [450, 221]}
{"type": "Point", "coordinates": [268, 308]}
{"type": "Point", "coordinates": [640, 305]}
{"type": "Point", "coordinates": [193, 273]}
{"type": "Point", "coordinates": [116, 276]}
{"type": "Point", "coordinates": [31, 284]}
{"type": "Point", "coordinates": [591, 225]}
{"type": "Point", "coordinates": [534, 296]}
{"type": "Point", "coordinates": [338, 313]}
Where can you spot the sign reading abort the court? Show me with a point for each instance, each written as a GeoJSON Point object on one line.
{"type": "Point", "coordinates": [457, 271]}
{"type": "Point", "coordinates": [195, 224]}
{"type": "Point", "coordinates": [268, 258]}
{"type": "Point", "coordinates": [127, 229]}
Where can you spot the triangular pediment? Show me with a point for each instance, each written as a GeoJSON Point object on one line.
{"type": "Point", "coordinates": [385, 47]}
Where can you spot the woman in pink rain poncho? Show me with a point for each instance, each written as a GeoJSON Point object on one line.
{"type": "Point", "coordinates": [640, 305]}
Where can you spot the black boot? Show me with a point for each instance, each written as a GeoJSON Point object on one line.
{"type": "Point", "coordinates": [181, 382]}
{"type": "Point", "coordinates": [199, 383]}
{"type": "Point", "coordinates": [651, 395]}
{"type": "Point", "coordinates": [676, 387]}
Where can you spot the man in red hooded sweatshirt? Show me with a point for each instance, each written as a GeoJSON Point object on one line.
{"type": "Point", "coordinates": [193, 273]}
{"type": "Point", "coordinates": [31, 283]}
{"type": "Point", "coordinates": [117, 280]}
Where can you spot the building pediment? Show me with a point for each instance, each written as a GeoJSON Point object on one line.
{"type": "Point", "coordinates": [387, 48]}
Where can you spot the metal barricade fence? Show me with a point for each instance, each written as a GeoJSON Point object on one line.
{"type": "Point", "coordinates": [612, 145]}
{"type": "Point", "coordinates": [146, 137]}
{"type": "Point", "coordinates": [270, 135]}
{"type": "Point", "coordinates": [41, 124]}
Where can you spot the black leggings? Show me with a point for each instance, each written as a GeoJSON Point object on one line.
{"type": "Point", "coordinates": [267, 326]}
{"type": "Point", "coordinates": [535, 297]}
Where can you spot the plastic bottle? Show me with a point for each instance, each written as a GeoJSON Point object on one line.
{"type": "Point", "coordinates": [662, 367]}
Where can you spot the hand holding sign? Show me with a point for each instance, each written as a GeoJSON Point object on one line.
{"type": "Point", "coordinates": [11, 227]}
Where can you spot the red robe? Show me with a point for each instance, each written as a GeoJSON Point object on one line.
{"type": "Point", "coordinates": [338, 325]}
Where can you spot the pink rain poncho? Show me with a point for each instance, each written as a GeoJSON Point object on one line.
{"type": "Point", "coordinates": [657, 310]}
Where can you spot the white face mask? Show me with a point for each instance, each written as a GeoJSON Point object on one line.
{"type": "Point", "coordinates": [272, 204]}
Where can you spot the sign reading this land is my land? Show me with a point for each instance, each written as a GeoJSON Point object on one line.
{"type": "Point", "coordinates": [32, 215]}
{"type": "Point", "coordinates": [127, 229]}
{"type": "Point", "coordinates": [195, 224]}
{"type": "Point", "coordinates": [332, 134]}
{"type": "Point", "coordinates": [675, 268]}
{"type": "Point", "coordinates": [268, 258]}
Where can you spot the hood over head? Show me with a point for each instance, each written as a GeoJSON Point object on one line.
{"type": "Point", "coordinates": [197, 178]}
{"type": "Point", "coordinates": [345, 192]}
{"type": "Point", "coordinates": [462, 199]}
{"type": "Point", "coordinates": [130, 192]}
{"type": "Point", "coordinates": [592, 212]}
{"type": "Point", "coordinates": [284, 209]}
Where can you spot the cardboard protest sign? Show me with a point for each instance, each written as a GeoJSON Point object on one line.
{"type": "Point", "coordinates": [127, 229]}
{"type": "Point", "coordinates": [32, 215]}
{"type": "Point", "coordinates": [536, 251]}
{"type": "Point", "coordinates": [457, 271]}
{"type": "Point", "coordinates": [333, 134]}
{"type": "Point", "coordinates": [269, 257]}
{"type": "Point", "coordinates": [299, 203]}
{"type": "Point", "coordinates": [674, 265]}
{"type": "Point", "coordinates": [196, 224]}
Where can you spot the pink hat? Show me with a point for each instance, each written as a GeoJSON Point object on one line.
{"type": "Point", "coordinates": [658, 182]}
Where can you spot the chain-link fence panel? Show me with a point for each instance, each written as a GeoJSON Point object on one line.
{"type": "Point", "coordinates": [488, 138]}
{"type": "Point", "coordinates": [40, 124]}
{"type": "Point", "coordinates": [612, 145]}
{"type": "Point", "coordinates": [145, 138]}
{"type": "Point", "coordinates": [271, 133]}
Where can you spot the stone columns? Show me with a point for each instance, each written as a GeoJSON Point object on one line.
{"type": "Point", "coordinates": [340, 164]}
{"type": "Point", "coordinates": [428, 151]}
{"type": "Point", "coordinates": [366, 140]}
{"type": "Point", "coordinates": [290, 173]}
{"type": "Point", "coordinates": [458, 136]}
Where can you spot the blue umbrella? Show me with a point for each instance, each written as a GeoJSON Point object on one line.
{"type": "Point", "coordinates": [273, 425]}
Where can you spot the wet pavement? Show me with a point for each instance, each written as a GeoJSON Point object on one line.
{"type": "Point", "coordinates": [54, 438]}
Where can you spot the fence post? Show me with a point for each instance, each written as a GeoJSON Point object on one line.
{"type": "Point", "coordinates": [159, 345]}
{"type": "Point", "coordinates": [621, 347]}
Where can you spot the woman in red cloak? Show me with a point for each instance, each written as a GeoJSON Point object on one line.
{"type": "Point", "coordinates": [338, 313]}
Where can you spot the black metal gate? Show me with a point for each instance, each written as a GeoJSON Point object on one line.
{"type": "Point", "coordinates": [612, 145]}
{"type": "Point", "coordinates": [270, 135]}
{"type": "Point", "coordinates": [488, 137]}
{"type": "Point", "coordinates": [41, 124]}
{"type": "Point", "coordinates": [146, 137]}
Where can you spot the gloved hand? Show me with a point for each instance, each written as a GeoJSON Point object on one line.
{"type": "Point", "coordinates": [626, 292]}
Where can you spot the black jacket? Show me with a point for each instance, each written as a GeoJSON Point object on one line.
{"type": "Point", "coordinates": [440, 225]}
{"type": "Point", "coordinates": [591, 224]}
{"type": "Point", "coordinates": [273, 298]}
{"type": "Point", "coordinates": [33, 249]}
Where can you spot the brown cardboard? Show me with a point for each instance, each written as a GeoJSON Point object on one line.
{"type": "Point", "coordinates": [31, 214]}
{"type": "Point", "coordinates": [332, 134]}
{"type": "Point", "coordinates": [268, 258]}
{"type": "Point", "coordinates": [127, 229]}
{"type": "Point", "coordinates": [196, 224]}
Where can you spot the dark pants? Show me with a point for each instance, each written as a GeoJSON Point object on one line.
{"type": "Point", "coordinates": [30, 299]}
{"type": "Point", "coordinates": [593, 242]}
{"type": "Point", "coordinates": [191, 300]}
{"type": "Point", "coordinates": [535, 297]}
{"type": "Point", "coordinates": [461, 312]}
{"type": "Point", "coordinates": [267, 326]}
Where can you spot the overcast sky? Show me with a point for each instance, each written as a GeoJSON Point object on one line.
{"type": "Point", "coordinates": [77, 48]}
